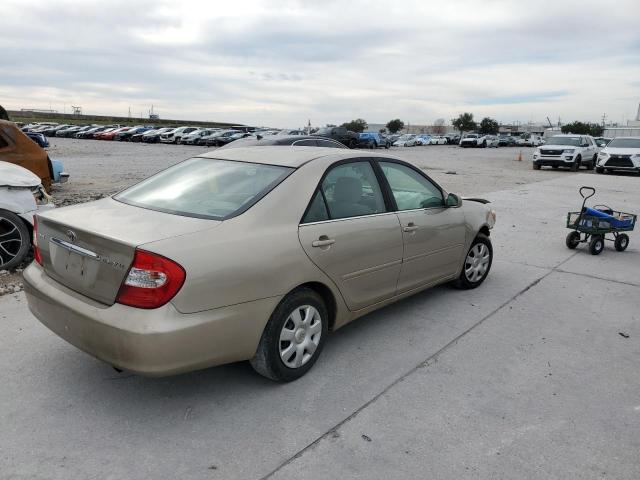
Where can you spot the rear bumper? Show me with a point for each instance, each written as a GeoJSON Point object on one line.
{"type": "Point", "coordinates": [155, 342]}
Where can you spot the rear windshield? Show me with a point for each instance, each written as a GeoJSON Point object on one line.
{"type": "Point", "coordinates": [205, 188]}
{"type": "Point", "coordinates": [624, 143]}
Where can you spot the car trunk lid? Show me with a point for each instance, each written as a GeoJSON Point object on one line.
{"type": "Point", "coordinates": [89, 248]}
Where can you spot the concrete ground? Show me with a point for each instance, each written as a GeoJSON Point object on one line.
{"type": "Point", "coordinates": [532, 375]}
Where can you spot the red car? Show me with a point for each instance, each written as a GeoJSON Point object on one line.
{"type": "Point", "coordinates": [108, 135]}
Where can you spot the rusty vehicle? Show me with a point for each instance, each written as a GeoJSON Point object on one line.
{"type": "Point", "coordinates": [16, 147]}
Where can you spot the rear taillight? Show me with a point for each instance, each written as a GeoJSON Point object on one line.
{"type": "Point", "coordinates": [152, 281]}
{"type": "Point", "coordinates": [37, 256]}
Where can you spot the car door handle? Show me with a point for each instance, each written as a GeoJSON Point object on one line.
{"type": "Point", "coordinates": [323, 241]}
{"type": "Point", "coordinates": [411, 227]}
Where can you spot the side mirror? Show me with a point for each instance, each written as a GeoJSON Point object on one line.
{"type": "Point", "coordinates": [453, 200]}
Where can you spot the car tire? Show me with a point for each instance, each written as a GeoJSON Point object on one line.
{"type": "Point", "coordinates": [15, 240]}
{"type": "Point", "coordinates": [592, 163]}
{"type": "Point", "coordinates": [285, 329]}
{"type": "Point", "coordinates": [352, 144]}
{"type": "Point", "coordinates": [537, 166]}
{"type": "Point", "coordinates": [622, 242]}
{"type": "Point", "coordinates": [573, 240]}
{"type": "Point", "coordinates": [576, 164]}
{"type": "Point", "coordinates": [479, 258]}
{"type": "Point", "coordinates": [596, 245]}
{"type": "Point", "coordinates": [484, 144]}
{"type": "Point", "coordinates": [599, 170]}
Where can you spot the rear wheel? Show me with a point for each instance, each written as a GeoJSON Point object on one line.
{"type": "Point", "coordinates": [622, 242]}
{"type": "Point", "coordinates": [352, 143]}
{"type": "Point", "coordinates": [596, 245]}
{"type": "Point", "coordinates": [15, 240]}
{"type": "Point", "coordinates": [476, 264]}
{"type": "Point", "coordinates": [573, 239]}
{"type": "Point", "coordinates": [536, 166]}
{"type": "Point", "coordinates": [293, 338]}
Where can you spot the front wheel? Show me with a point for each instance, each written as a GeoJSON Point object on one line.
{"type": "Point", "coordinates": [477, 263]}
{"type": "Point", "coordinates": [293, 338]}
{"type": "Point", "coordinates": [352, 144]}
{"type": "Point", "coordinates": [573, 239]}
{"type": "Point", "coordinates": [576, 164]}
{"type": "Point", "coordinates": [536, 166]}
{"type": "Point", "coordinates": [622, 242]}
{"type": "Point", "coordinates": [599, 170]}
{"type": "Point", "coordinates": [15, 240]}
{"type": "Point", "coordinates": [596, 245]}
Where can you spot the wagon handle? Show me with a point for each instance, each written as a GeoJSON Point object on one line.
{"type": "Point", "coordinates": [583, 195]}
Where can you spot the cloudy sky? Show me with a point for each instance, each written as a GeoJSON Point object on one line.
{"type": "Point", "coordinates": [282, 62]}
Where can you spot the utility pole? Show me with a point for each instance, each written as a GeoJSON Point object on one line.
{"type": "Point", "coordinates": [604, 117]}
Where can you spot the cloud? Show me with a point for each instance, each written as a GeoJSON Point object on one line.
{"type": "Point", "coordinates": [281, 63]}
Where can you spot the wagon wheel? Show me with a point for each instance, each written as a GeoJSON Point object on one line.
{"type": "Point", "coordinates": [596, 245]}
{"type": "Point", "coordinates": [573, 239]}
{"type": "Point", "coordinates": [622, 242]}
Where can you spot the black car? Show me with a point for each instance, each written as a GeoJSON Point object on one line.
{"type": "Point", "coordinates": [293, 140]}
{"type": "Point", "coordinates": [339, 134]}
{"type": "Point", "coordinates": [89, 133]}
{"type": "Point", "coordinates": [453, 139]}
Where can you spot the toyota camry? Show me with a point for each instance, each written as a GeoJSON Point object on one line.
{"type": "Point", "coordinates": [251, 253]}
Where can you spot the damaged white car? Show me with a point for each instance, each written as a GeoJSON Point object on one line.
{"type": "Point", "coordinates": [21, 196]}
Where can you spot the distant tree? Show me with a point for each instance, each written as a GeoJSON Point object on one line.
{"type": "Point", "coordinates": [3, 114]}
{"type": "Point", "coordinates": [489, 126]}
{"type": "Point", "coordinates": [464, 122]}
{"type": "Point", "coordinates": [382, 130]}
{"type": "Point", "coordinates": [394, 126]}
{"type": "Point", "coordinates": [438, 127]}
{"type": "Point", "coordinates": [581, 128]}
{"type": "Point", "coordinates": [358, 125]}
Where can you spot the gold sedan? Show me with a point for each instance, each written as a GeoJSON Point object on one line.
{"type": "Point", "coordinates": [249, 254]}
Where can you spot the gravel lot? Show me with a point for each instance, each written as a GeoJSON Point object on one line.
{"type": "Point", "coordinates": [100, 168]}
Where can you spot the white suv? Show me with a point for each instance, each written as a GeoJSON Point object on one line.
{"type": "Point", "coordinates": [621, 153]}
{"type": "Point", "coordinates": [571, 151]}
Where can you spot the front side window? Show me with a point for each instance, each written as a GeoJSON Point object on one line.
{"type": "Point", "coordinates": [352, 190]}
{"type": "Point", "coordinates": [205, 188]}
{"type": "Point", "coordinates": [411, 190]}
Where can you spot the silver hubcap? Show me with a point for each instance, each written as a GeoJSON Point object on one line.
{"type": "Point", "coordinates": [300, 336]}
{"type": "Point", "coordinates": [477, 262]}
{"type": "Point", "coordinates": [623, 242]}
{"type": "Point", "coordinates": [10, 241]}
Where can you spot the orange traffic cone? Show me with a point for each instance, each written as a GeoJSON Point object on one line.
{"type": "Point", "coordinates": [520, 156]}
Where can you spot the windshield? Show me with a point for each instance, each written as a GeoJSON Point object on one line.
{"type": "Point", "coordinates": [573, 141]}
{"type": "Point", "coordinates": [205, 188]}
{"type": "Point", "coordinates": [325, 131]}
{"type": "Point", "coordinates": [471, 135]}
{"type": "Point", "coordinates": [624, 143]}
{"type": "Point", "coordinates": [406, 137]}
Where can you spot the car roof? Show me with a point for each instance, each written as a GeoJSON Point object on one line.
{"type": "Point", "coordinates": [286, 156]}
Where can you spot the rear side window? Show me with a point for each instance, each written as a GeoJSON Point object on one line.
{"type": "Point", "coordinates": [317, 211]}
{"type": "Point", "coordinates": [205, 188]}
